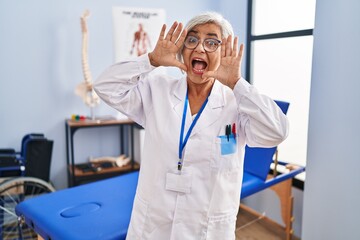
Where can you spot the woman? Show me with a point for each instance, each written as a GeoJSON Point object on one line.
{"type": "Point", "coordinates": [196, 129]}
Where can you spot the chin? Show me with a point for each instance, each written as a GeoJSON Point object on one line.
{"type": "Point", "coordinates": [197, 78]}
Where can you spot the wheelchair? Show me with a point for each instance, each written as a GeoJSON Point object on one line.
{"type": "Point", "coordinates": [23, 175]}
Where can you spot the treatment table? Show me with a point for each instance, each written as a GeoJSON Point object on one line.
{"type": "Point", "coordinates": [96, 211]}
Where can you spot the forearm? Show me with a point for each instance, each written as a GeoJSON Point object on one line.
{"type": "Point", "coordinates": [263, 122]}
{"type": "Point", "coordinates": [119, 86]}
{"type": "Point", "coordinates": [121, 76]}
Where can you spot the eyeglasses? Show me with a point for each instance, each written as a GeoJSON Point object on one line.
{"type": "Point", "coordinates": [209, 44]}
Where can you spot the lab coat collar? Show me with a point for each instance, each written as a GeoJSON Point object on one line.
{"type": "Point", "coordinates": [211, 112]}
{"type": "Point", "coordinates": [180, 89]}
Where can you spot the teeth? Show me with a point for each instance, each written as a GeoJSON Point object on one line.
{"type": "Point", "coordinates": [199, 60]}
{"type": "Point", "coordinates": [198, 71]}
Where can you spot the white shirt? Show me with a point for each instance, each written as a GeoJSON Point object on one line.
{"type": "Point", "coordinates": [203, 200]}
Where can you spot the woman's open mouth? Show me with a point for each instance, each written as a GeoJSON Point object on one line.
{"type": "Point", "coordinates": [198, 65]}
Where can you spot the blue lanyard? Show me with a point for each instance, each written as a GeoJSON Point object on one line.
{"type": "Point", "coordinates": [183, 141]}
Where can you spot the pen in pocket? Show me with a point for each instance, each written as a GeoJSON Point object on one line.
{"type": "Point", "coordinates": [228, 131]}
{"type": "Point", "coordinates": [233, 130]}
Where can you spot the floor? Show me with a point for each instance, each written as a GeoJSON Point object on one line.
{"type": "Point", "coordinates": [256, 227]}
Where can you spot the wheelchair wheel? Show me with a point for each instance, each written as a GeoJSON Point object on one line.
{"type": "Point", "coordinates": [12, 192]}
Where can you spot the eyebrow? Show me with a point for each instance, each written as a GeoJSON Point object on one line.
{"type": "Point", "coordinates": [210, 34]}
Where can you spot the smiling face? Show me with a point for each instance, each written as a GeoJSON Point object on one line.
{"type": "Point", "coordinates": [197, 60]}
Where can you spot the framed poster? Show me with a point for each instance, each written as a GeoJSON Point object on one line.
{"type": "Point", "coordinates": [136, 30]}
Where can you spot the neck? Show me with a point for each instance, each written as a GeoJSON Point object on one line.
{"type": "Point", "coordinates": [200, 90]}
{"type": "Point", "coordinates": [197, 93]}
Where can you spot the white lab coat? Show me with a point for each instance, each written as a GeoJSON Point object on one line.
{"type": "Point", "coordinates": [204, 203]}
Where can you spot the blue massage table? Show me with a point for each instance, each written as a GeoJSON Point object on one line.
{"type": "Point", "coordinates": [96, 211]}
{"type": "Point", "coordinates": [100, 210]}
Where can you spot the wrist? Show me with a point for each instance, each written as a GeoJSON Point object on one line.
{"type": "Point", "coordinates": [152, 61]}
{"type": "Point", "coordinates": [232, 84]}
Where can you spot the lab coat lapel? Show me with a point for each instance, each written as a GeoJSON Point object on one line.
{"type": "Point", "coordinates": [213, 109]}
{"type": "Point", "coordinates": [178, 101]}
{"type": "Point", "coordinates": [178, 97]}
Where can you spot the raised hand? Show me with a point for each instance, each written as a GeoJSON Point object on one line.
{"type": "Point", "coordinates": [229, 71]}
{"type": "Point", "coordinates": [166, 49]}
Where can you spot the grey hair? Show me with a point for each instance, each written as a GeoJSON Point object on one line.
{"type": "Point", "coordinates": [209, 17]}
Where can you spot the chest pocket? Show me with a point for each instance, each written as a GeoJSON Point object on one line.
{"type": "Point", "coordinates": [225, 155]}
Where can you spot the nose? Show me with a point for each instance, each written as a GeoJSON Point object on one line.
{"type": "Point", "coordinates": [200, 47]}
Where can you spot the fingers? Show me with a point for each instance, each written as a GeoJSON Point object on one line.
{"type": "Point", "coordinates": [241, 51]}
{"type": "Point", "coordinates": [235, 47]}
{"type": "Point", "coordinates": [167, 46]}
{"type": "Point", "coordinates": [181, 39]}
{"type": "Point", "coordinates": [171, 31]}
{"type": "Point", "coordinates": [182, 66]}
{"type": "Point", "coordinates": [177, 32]}
{"type": "Point", "coordinates": [223, 47]}
{"type": "Point", "coordinates": [174, 32]}
{"type": "Point", "coordinates": [162, 32]}
{"type": "Point", "coordinates": [209, 74]}
{"type": "Point", "coordinates": [228, 46]}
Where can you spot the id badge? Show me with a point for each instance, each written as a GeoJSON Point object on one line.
{"type": "Point", "coordinates": [179, 181]}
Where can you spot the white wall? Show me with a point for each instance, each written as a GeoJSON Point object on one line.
{"type": "Point", "coordinates": [40, 66]}
{"type": "Point", "coordinates": [332, 189]}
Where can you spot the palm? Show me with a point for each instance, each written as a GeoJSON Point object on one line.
{"type": "Point", "coordinates": [166, 51]}
{"type": "Point", "coordinates": [167, 47]}
{"type": "Point", "coordinates": [229, 70]}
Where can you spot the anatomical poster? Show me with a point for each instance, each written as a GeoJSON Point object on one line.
{"type": "Point", "coordinates": [136, 30]}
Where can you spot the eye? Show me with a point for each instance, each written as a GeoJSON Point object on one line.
{"type": "Point", "coordinates": [191, 40]}
{"type": "Point", "coordinates": [211, 43]}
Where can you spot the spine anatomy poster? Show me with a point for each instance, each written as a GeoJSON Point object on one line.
{"type": "Point", "coordinates": [136, 30]}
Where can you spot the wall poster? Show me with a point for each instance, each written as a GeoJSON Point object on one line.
{"type": "Point", "coordinates": [136, 30]}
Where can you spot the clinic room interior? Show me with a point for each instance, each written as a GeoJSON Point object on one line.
{"type": "Point", "coordinates": [305, 53]}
